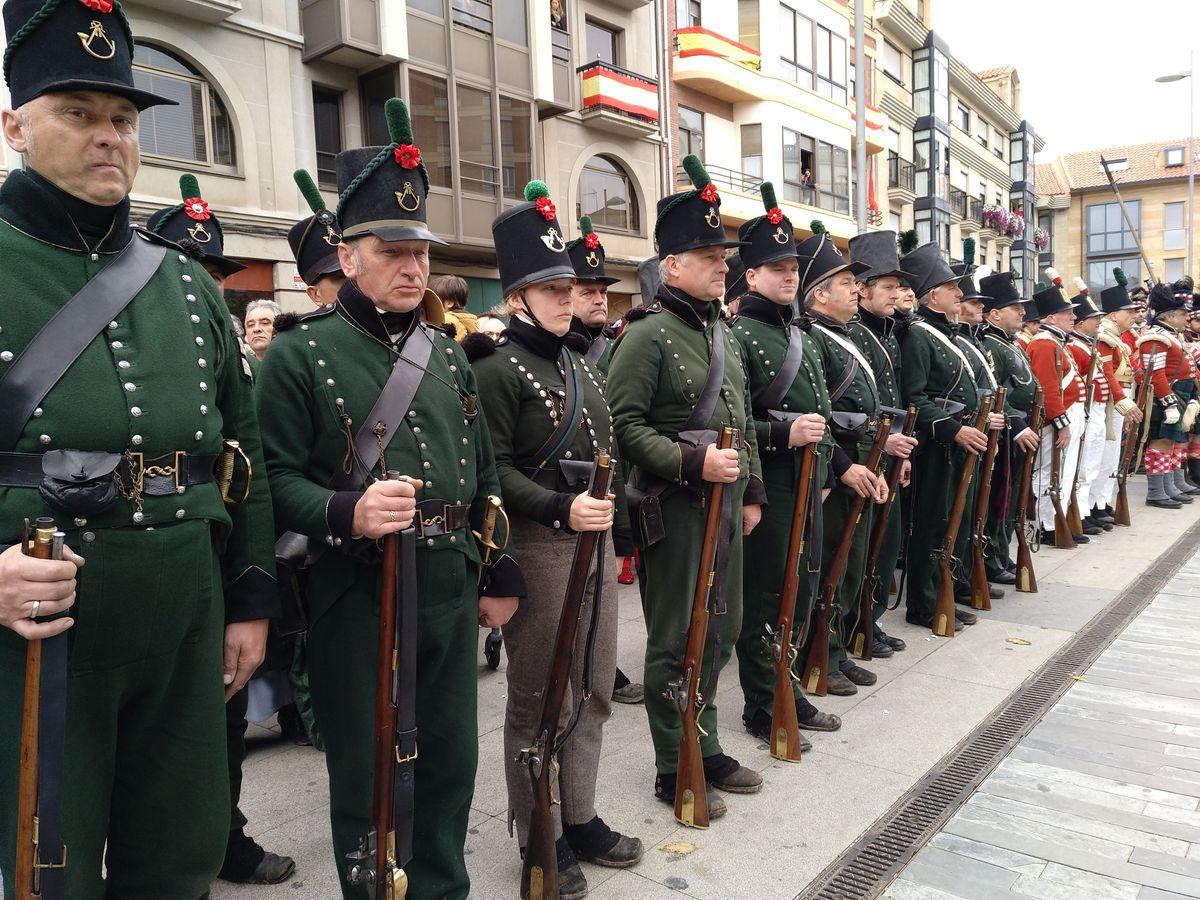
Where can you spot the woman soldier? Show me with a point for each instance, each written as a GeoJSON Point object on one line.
{"type": "Point", "coordinates": [548, 418]}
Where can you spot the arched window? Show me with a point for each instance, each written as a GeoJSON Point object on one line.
{"type": "Point", "coordinates": [606, 194]}
{"type": "Point", "coordinates": [198, 129]}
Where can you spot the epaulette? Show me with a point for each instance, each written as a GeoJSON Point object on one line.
{"type": "Point", "coordinates": [154, 238]}
{"type": "Point", "coordinates": [288, 321]}
{"type": "Point", "coordinates": [477, 345]}
{"type": "Point", "coordinates": [640, 312]}
{"type": "Point", "coordinates": [573, 340]}
{"type": "Point", "coordinates": [1157, 334]}
{"type": "Point", "coordinates": [1110, 340]}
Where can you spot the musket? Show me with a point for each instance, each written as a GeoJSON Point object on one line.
{"type": "Point", "coordinates": [1074, 519]}
{"type": "Point", "coordinates": [1133, 438]}
{"type": "Point", "coordinates": [1026, 582]}
{"type": "Point", "coordinates": [943, 613]}
{"type": "Point", "coordinates": [816, 664]}
{"type": "Point", "coordinates": [691, 797]}
{"type": "Point", "coordinates": [539, 870]}
{"type": "Point", "coordinates": [785, 728]}
{"type": "Point", "coordinates": [378, 864]}
{"type": "Point", "coordinates": [31, 864]}
{"type": "Point", "coordinates": [980, 593]}
{"type": "Point", "coordinates": [864, 631]}
{"type": "Point", "coordinates": [1063, 536]}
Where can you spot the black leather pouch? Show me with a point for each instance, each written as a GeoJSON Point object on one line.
{"type": "Point", "coordinates": [79, 483]}
{"type": "Point", "coordinates": [848, 427]}
{"type": "Point", "coordinates": [645, 516]}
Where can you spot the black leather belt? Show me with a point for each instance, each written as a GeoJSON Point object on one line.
{"type": "Point", "coordinates": [171, 473]}
{"type": "Point", "coordinates": [436, 517]}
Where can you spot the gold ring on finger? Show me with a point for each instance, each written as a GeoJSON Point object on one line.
{"type": "Point", "coordinates": [33, 613]}
{"type": "Point", "coordinates": [394, 516]}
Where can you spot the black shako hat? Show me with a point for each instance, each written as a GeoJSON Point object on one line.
{"type": "Point", "coordinates": [878, 251]}
{"type": "Point", "coordinates": [1164, 299]}
{"type": "Point", "coordinates": [194, 227]}
{"type": "Point", "coordinates": [70, 45]}
{"type": "Point", "coordinates": [1085, 306]}
{"type": "Point", "coordinates": [384, 189]}
{"type": "Point", "coordinates": [587, 255]}
{"type": "Point", "coordinates": [691, 219]}
{"type": "Point", "coordinates": [1031, 312]}
{"type": "Point", "coordinates": [529, 242]}
{"type": "Point", "coordinates": [999, 290]}
{"type": "Point", "coordinates": [926, 269]}
{"type": "Point", "coordinates": [820, 259]}
{"type": "Point", "coordinates": [1116, 298]}
{"type": "Point", "coordinates": [769, 237]}
{"type": "Point", "coordinates": [966, 282]}
{"type": "Point", "coordinates": [314, 241]}
{"type": "Point", "coordinates": [735, 278]}
{"type": "Point", "coordinates": [1050, 300]}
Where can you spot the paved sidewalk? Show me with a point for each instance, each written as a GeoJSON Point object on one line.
{"type": "Point", "coordinates": [772, 844]}
{"type": "Point", "coordinates": [1100, 799]}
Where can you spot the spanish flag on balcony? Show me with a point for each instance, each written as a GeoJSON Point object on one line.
{"type": "Point", "coordinates": [605, 87]}
{"type": "Point", "coordinates": [697, 41]}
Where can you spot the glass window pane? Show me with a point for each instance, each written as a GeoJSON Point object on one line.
{"type": "Point", "coordinates": [433, 7]}
{"type": "Point", "coordinates": [837, 60]}
{"type": "Point", "coordinates": [1173, 269]}
{"type": "Point", "coordinates": [327, 122]}
{"type": "Point", "coordinates": [171, 130]}
{"type": "Point", "coordinates": [160, 59]}
{"type": "Point", "coordinates": [606, 195]}
{"type": "Point", "coordinates": [787, 33]}
{"type": "Point", "coordinates": [822, 35]}
{"type": "Point", "coordinates": [375, 90]}
{"type": "Point", "coordinates": [516, 152]}
{"type": "Point", "coordinates": [429, 104]}
{"type": "Point", "coordinates": [477, 158]}
{"type": "Point", "coordinates": [752, 150]}
{"type": "Point", "coordinates": [804, 42]}
{"type": "Point", "coordinates": [1114, 219]}
{"type": "Point", "coordinates": [510, 21]}
{"type": "Point", "coordinates": [601, 43]}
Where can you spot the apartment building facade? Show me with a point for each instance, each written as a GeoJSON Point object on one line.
{"type": "Point", "coordinates": [501, 91]}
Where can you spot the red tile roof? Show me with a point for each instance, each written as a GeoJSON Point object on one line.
{"type": "Point", "coordinates": [994, 71]}
{"type": "Point", "coordinates": [1081, 171]}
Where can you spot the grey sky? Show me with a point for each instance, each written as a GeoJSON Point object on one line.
{"type": "Point", "coordinates": [1087, 69]}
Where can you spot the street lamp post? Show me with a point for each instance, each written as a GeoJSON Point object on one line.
{"type": "Point", "coordinates": [1166, 79]}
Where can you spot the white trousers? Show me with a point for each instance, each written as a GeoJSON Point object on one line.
{"type": "Point", "coordinates": [1105, 485]}
{"type": "Point", "coordinates": [1093, 451]}
{"type": "Point", "coordinates": [1041, 488]}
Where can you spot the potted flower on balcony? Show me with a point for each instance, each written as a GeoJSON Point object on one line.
{"type": "Point", "coordinates": [996, 218]}
{"type": "Point", "coordinates": [1015, 227]}
{"type": "Point", "coordinates": [1041, 239]}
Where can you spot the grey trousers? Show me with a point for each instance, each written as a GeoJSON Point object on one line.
{"type": "Point", "coordinates": [529, 642]}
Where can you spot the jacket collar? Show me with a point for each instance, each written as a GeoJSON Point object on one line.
{"type": "Point", "coordinates": [356, 308]}
{"type": "Point", "coordinates": [881, 325]}
{"type": "Point", "coordinates": [756, 306]}
{"type": "Point", "coordinates": [1056, 333]}
{"type": "Point", "coordinates": [697, 314]}
{"type": "Point", "coordinates": [935, 318]}
{"type": "Point", "coordinates": [45, 212]}
{"type": "Point", "coordinates": [825, 322]}
{"type": "Point", "coordinates": [537, 341]}
{"type": "Point", "coordinates": [999, 334]}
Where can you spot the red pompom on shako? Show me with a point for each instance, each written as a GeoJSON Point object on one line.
{"type": "Point", "coordinates": [774, 215]}
{"type": "Point", "coordinates": [592, 242]}
{"type": "Point", "coordinates": [408, 156]}
{"type": "Point", "coordinates": [104, 6]}
{"type": "Point", "coordinates": [709, 194]}
{"type": "Point", "coordinates": [197, 209]}
{"type": "Point", "coordinates": [546, 207]}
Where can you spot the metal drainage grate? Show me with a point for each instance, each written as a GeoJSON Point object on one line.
{"type": "Point", "coordinates": [869, 865]}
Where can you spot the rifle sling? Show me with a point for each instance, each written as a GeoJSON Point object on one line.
{"type": "Point", "coordinates": [560, 437]}
{"type": "Point", "coordinates": [404, 691]}
{"type": "Point", "coordinates": [594, 352]}
{"type": "Point", "coordinates": [772, 397]}
{"type": "Point", "coordinates": [52, 734]}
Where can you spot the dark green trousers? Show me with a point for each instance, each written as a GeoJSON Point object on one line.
{"type": "Point", "coordinates": [935, 478]}
{"type": "Point", "coordinates": [962, 545]}
{"type": "Point", "coordinates": [145, 759]}
{"type": "Point", "coordinates": [235, 746]}
{"type": "Point", "coordinates": [1000, 531]}
{"type": "Point", "coordinates": [889, 553]}
{"type": "Point", "coordinates": [764, 553]}
{"type": "Point", "coordinates": [671, 566]}
{"type": "Point", "coordinates": [342, 671]}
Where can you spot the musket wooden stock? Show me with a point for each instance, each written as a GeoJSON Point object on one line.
{"type": "Point", "coordinates": [1063, 536]}
{"type": "Point", "coordinates": [25, 874]}
{"type": "Point", "coordinates": [785, 728]}
{"type": "Point", "coordinates": [1133, 439]}
{"type": "Point", "coordinates": [816, 664]}
{"type": "Point", "coordinates": [691, 796]}
{"type": "Point", "coordinates": [980, 592]}
{"type": "Point", "coordinates": [1026, 581]}
{"type": "Point", "coordinates": [943, 613]}
{"type": "Point", "coordinates": [539, 870]}
{"type": "Point", "coordinates": [1074, 518]}
{"type": "Point", "coordinates": [864, 632]}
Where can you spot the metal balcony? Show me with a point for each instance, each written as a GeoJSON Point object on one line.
{"type": "Point", "coordinates": [618, 100]}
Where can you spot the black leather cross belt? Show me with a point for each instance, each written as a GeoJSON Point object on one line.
{"type": "Point", "coordinates": [435, 517]}
{"type": "Point", "coordinates": [171, 473]}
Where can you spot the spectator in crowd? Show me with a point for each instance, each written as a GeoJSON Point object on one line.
{"type": "Point", "coordinates": [491, 325]}
{"type": "Point", "coordinates": [454, 292]}
{"type": "Point", "coordinates": [260, 325]}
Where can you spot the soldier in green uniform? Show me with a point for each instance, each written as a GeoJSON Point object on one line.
{"type": "Point", "coordinates": [829, 285]}
{"type": "Point", "coordinates": [135, 424]}
{"type": "Point", "coordinates": [194, 226]}
{"type": "Point", "coordinates": [875, 333]}
{"type": "Point", "coordinates": [318, 387]}
{"type": "Point", "coordinates": [1005, 312]}
{"type": "Point", "coordinates": [589, 323]}
{"type": "Point", "coordinates": [548, 419]}
{"type": "Point", "coordinates": [791, 406]}
{"type": "Point", "coordinates": [937, 378]}
{"type": "Point", "coordinates": [659, 368]}
{"type": "Point", "coordinates": [314, 241]}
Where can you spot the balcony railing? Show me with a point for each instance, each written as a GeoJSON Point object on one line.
{"type": "Point", "coordinates": [901, 173]}
{"type": "Point", "coordinates": [609, 87]}
{"type": "Point", "coordinates": [958, 202]}
{"type": "Point", "coordinates": [734, 180]}
{"type": "Point", "coordinates": [975, 211]}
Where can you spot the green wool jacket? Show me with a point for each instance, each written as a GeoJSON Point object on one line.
{"type": "Point", "coordinates": [931, 371]}
{"type": "Point", "coordinates": [837, 350]}
{"type": "Point", "coordinates": [659, 364]}
{"type": "Point", "coordinates": [337, 359]}
{"type": "Point", "coordinates": [1012, 369]}
{"type": "Point", "coordinates": [876, 337]}
{"type": "Point", "coordinates": [166, 375]}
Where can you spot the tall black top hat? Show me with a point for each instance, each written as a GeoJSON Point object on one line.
{"type": "Point", "coordinates": [1031, 313]}
{"type": "Point", "coordinates": [691, 219]}
{"type": "Point", "coordinates": [876, 250]}
{"type": "Point", "coordinates": [735, 278]}
{"type": "Point", "coordinates": [314, 241]}
{"type": "Point", "coordinates": [384, 189]}
{"type": "Point", "coordinates": [70, 45]}
{"type": "Point", "coordinates": [1116, 298]}
{"type": "Point", "coordinates": [926, 269]}
{"type": "Point", "coordinates": [966, 282]}
{"type": "Point", "coordinates": [820, 259]}
{"type": "Point", "coordinates": [769, 237]}
{"type": "Point", "coordinates": [1085, 306]}
{"type": "Point", "coordinates": [529, 243]}
{"type": "Point", "coordinates": [194, 227]}
{"type": "Point", "coordinates": [999, 290]}
{"type": "Point", "coordinates": [587, 255]}
{"type": "Point", "coordinates": [1050, 300]}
